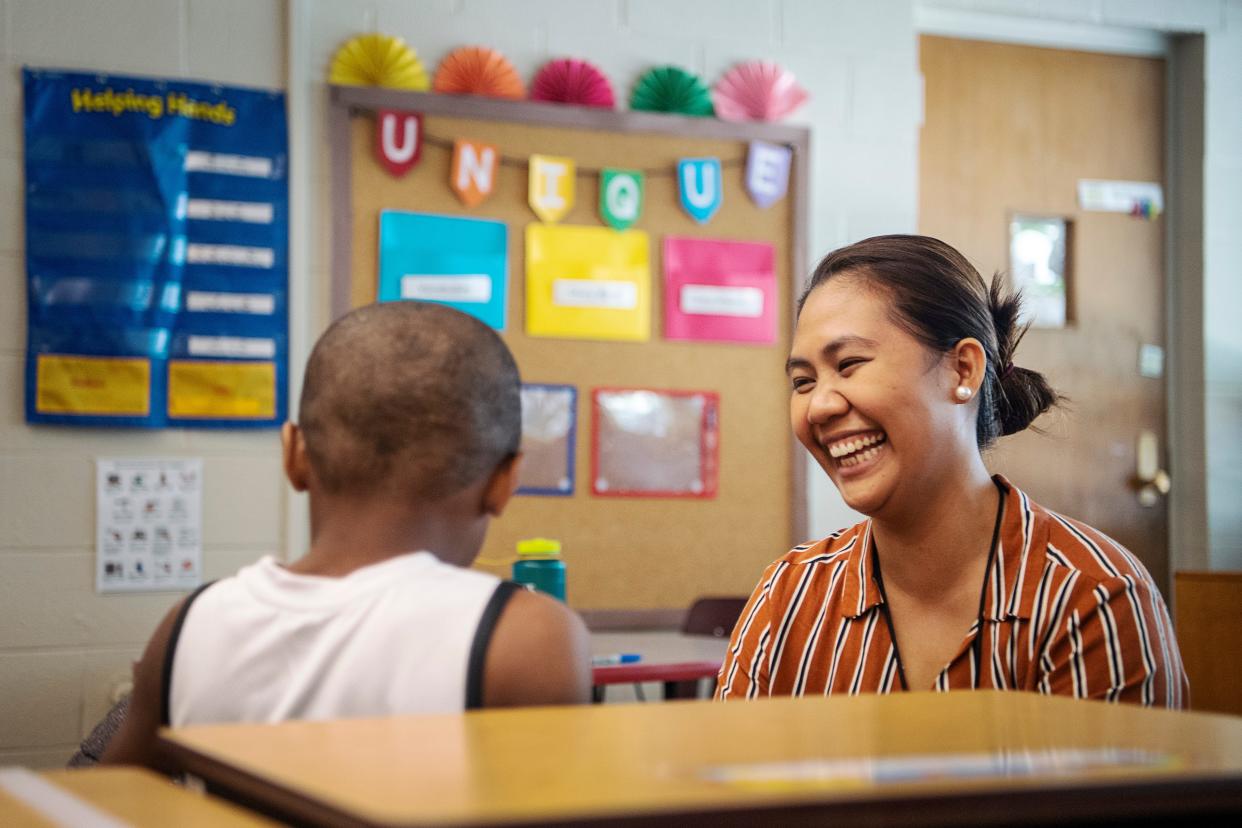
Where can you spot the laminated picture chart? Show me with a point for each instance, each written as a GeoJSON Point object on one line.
{"type": "Point", "coordinates": [156, 252]}
{"type": "Point", "coordinates": [148, 524]}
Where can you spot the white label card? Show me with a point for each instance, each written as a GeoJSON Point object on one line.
{"type": "Point", "coordinates": [232, 346]}
{"type": "Point", "coordinates": [470, 288]}
{"type": "Point", "coordinates": [231, 254]}
{"type": "Point", "coordinates": [262, 304]}
{"type": "Point", "coordinates": [1119, 196]}
{"type": "Point", "coordinates": [720, 300]}
{"type": "Point", "coordinates": [591, 293]}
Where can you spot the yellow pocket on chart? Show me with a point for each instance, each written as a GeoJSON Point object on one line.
{"type": "Point", "coordinates": [224, 390]}
{"type": "Point", "coordinates": [587, 283]}
{"type": "Point", "coordinates": [100, 386]}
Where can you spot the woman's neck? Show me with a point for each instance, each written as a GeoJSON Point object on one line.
{"type": "Point", "coordinates": [943, 543]}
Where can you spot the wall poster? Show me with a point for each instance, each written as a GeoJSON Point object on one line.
{"type": "Point", "coordinates": [156, 252]}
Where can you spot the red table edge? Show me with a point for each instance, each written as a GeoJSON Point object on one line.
{"type": "Point", "coordinates": [638, 673]}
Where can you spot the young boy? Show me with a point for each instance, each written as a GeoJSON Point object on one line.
{"type": "Point", "coordinates": [410, 423]}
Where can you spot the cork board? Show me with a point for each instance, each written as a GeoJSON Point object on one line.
{"type": "Point", "coordinates": [632, 553]}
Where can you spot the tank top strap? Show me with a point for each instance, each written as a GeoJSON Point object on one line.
{"type": "Point", "coordinates": [482, 638]}
{"type": "Point", "coordinates": [170, 651]}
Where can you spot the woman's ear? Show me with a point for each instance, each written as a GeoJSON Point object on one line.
{"type": "Point", "coordinates": [294, 457]}
{"type": "Point", "coordinates": [969, 363]}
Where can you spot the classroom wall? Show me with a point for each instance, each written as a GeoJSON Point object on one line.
{"type": "Point", "coordinates": [62, 647]}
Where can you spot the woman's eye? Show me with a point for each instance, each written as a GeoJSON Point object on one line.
{"type": "Point", "coordinates": [802, 383]}
{"type": "Point", "coordinates": [846, 364]}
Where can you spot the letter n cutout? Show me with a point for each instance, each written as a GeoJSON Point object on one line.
{"type": "Point", "coordinates": [473, 175]}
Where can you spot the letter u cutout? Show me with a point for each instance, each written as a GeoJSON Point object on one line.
{"type": "Point", "coordinates": [698, 182]}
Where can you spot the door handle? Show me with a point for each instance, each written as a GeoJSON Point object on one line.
{"type": "Point", "coordinates": [1151, 481]}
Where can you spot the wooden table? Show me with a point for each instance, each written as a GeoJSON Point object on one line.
{"type": "Point", "coordinates": [108, 798]}
{"type": "Point", "coordinates": [660, 649]}
{"type": "Point", "coordinates": [773, 761]}
{"type": "Point", "coordinates": [680, 678]}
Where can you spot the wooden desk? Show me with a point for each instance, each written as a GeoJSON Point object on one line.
{"type": "Point", "coordinates": [709, 763]}
{"type": "Point", "coordinates": [129, 795]}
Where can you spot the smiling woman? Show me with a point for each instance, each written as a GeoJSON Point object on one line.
{"type": "Point", "coordinates": [901, 373]}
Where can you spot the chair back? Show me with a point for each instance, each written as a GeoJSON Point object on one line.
{"type": "Point", "coordinates": [713, 616]}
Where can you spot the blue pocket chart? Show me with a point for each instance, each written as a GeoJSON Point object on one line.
{"type": "Point", "coordinates": [459, 262]}
{"type": "Point", "coordinates": [156, 252]}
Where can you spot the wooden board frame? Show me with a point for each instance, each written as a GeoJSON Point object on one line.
{"type": "Point", "coordinates": [347, 103]}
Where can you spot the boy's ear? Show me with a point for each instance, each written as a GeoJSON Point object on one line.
{"type": "Point", "coordinates": [501, 485]}
{"type": "Point", "coordinates": [294, 457]}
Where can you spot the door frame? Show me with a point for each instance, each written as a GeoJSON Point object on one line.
{"type": "Point", "coordinates": [1185, 390]}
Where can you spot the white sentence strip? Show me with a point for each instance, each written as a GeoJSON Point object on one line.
{"type": "Point", "coordinates": [261, 304]}
{"type": "Point", "coordinates": [210, 209]}
{"type": "Point", "coordinates": [231, 346]}
{"type": "Point", "coordinates": [250, 166]}
{"type": "Point", "coordinates": [231, 254]}
{"type": "Point", "coordinates": [54, 803]}
{"type": "Point", "coordinates": [473, 288]}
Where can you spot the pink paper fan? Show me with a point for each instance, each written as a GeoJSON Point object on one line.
{"type": "Point", "coordinates": [573, 82]}
{"type": "Point", "coordinates": [759, 90]}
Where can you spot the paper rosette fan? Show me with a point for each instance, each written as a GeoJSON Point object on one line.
{"type": "Point", "coordinates": [572, 82]}
{"type": "Point", "coordinates": [759, 90]}
{"type": "Point", "coordinates": [670, 89]}
{"type": "Point", "coordinates": [477, 70]}
{"type": "Point", "coordinates": [378, 60]}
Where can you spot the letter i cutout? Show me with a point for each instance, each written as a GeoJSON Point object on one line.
{"type": "Point", "coordinates": [551, 187]}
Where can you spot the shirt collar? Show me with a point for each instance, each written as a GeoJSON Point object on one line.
{"type": "Point", "coordinates": [1014, 576]}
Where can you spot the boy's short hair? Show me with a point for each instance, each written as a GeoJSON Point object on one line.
{"type": "Point", "coordinates": [410, 395]}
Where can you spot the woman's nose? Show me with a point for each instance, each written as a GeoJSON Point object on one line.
{"type": "Point", "coordinates": [826, 402]}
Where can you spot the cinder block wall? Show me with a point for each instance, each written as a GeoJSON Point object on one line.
{"type": "Point", "coordinates": [63, 648]}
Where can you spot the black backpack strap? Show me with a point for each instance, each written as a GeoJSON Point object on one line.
{"type": "Point", "coordinates": [482, 637]}
{"type": "Point", "coordinates": [171, 651]}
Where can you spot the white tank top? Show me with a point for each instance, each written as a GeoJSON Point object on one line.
{"type": "Point", "coordinates": [407, 635]}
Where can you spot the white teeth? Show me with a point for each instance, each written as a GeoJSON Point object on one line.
{"type": "Point", "coordinates": [847, 447]}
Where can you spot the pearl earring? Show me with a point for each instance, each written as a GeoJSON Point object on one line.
{"type": "Point", "coordinates": [962, 393]}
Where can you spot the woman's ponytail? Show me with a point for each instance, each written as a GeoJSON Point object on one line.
{"type": "Point", "coordinates": [1022, 394]}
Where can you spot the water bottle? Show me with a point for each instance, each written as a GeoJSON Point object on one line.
{"type": "Point", "coordinates": [539, 566]}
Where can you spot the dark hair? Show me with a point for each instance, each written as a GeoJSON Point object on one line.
{"type": "Point", "coordinates": [940, 299]}
{"type": "Point", "coordinates": [409, 395]}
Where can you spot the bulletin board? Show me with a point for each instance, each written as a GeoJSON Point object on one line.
{"type": "Point", "coordinates": [621, 553]}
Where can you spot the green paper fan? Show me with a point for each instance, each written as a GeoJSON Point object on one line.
{"type": "Point", "coordinates": [670, 89]}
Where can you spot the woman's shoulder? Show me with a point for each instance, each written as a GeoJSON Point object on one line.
{"type": "Point", "coordinates": [1078, 546]}
{"type": "Point", "coordinates": [835, 546]}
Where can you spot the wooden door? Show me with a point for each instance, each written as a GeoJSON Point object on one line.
{"type": "Point", "coordinates": [1011, 130]}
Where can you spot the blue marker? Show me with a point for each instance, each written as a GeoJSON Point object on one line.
{"type": "Point", "coordinates": [615, 659]}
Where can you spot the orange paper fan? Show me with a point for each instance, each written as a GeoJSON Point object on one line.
{"type": "Point", "coordinates": [477, 70]}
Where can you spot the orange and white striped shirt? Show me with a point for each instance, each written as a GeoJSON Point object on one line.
{"type": "Point", "coordinates": [1068, 611]}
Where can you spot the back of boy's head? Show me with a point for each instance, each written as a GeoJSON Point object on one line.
{"type": "Point", "coordinates": [409, 398]}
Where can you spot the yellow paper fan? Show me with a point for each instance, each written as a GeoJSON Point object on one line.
{"type": "Point", "coordinates": [378, 60]}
